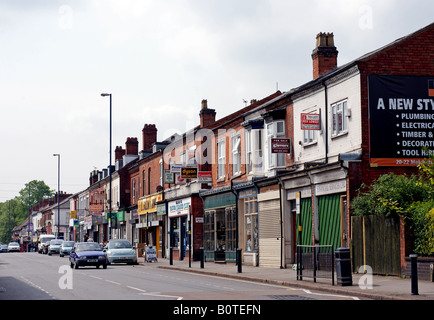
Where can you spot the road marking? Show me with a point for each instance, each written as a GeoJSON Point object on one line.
{"type": "Point", "coordinates": [330, 295]}
{"type": "Point", "coordinates": [95, 277]}
{"type": "Point", "coordinates": [37, 287]}
{"type": "Point", "coordinates": [114, 282]}
{"type": "Point", "coordinates": [136, 289]}
{"type": "Point", "coordinates": [157, 294]}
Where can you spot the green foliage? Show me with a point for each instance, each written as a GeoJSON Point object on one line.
{"type": "Point", "coordinates": [422, 227]}
{"type": "Point", "coordinates": [408, 197]}
{"type": "Point", "coordinates": [390, 195]}
{"type": "Point", "coordinates": [15, 211]}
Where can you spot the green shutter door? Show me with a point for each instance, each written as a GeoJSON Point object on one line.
{"type": "Point", "coordinates": [329, 214]}
{"type": "Point", "coordinates": [306, 222]}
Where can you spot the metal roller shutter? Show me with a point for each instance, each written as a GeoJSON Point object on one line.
{"type": "Point", "coordinates": [269, 233]}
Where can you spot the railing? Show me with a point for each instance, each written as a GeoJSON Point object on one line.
{"type": "Point", "coordinates": [315, 261]}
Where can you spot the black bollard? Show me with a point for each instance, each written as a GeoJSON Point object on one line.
{"type": "Point", "coordinates": [201, 258]}
{"type": "Point", "coordinates": [239, 262]}
{"type": "Point", "coordinates": [414, 287]}
{"type": "Point", "coordinates": [171, 256]}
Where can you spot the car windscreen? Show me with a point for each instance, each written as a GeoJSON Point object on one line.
{"type": "Point", "coordinates": [68, 244]}
{"type": "Point", "coordinates": [55, 242]}
{"type": "Point", "coordinates": [89, 246]}
{"type": "Point", "coordinates": [119, 244]}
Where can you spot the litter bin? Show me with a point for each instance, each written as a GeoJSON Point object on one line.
{"type": "Point", "coordinates": [343, 267]}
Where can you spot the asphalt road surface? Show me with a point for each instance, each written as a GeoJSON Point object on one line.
{"type": "Point", "coordinates": [33, 276]}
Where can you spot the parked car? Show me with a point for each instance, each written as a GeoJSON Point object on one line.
{"type": "Point", "coordinates": [87, 254]}
{"type": "Point", "coordinates": [45, 246]}
{"type": "Point", "coordinates": [120, 251]}
{"type": "Point", "coordinates": [54, 246]}
{"type": "Point", "coordinates": [42, 240]}
{"type": "Point", "coordinates": [4, 248]}
{"type": "Point", "coordinates": [13, 247]}
{"type": "Point", "coordinates": [66, 247]}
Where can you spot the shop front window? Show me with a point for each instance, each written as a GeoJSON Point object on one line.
{"type": "Point", "coordinates": [209, 230]}
{"type": "Point", "coordinates": [251, 223]}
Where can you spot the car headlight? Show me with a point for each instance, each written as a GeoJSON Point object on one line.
{"type": "Point", "coordinates": [133, 252]}
{"type": "Point", "coordinates": [101, 257]}
{"type": "Point", "coordinates": [82, 258]}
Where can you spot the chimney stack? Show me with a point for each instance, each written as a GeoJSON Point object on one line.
{"type": "Point", "coordinates": [325, 55]}
{"type": "Point", "coordinates": [119, 153]}
{"type": "Point", "coordinates": [149, 134]}
{"type": "Point", "coordinates": [132, 146]}
{"type": "Point", "coordinates": [207, 116]}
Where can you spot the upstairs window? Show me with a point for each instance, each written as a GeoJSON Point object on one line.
{"type": "Point", "coordinates": [236, 154]}
{"type": "Point", "coordinates": [253, 143]}
{"type": "Point", "coordinates": [275, 130]}
{"type": "Point", "coordinates": [221, 158]}
{"type": "Point", "coordinates": [339, 118]}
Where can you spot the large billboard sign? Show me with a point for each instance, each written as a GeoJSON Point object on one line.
{"type": "Point", "coordinates": [401, 119]}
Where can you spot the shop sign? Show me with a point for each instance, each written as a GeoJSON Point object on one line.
{"type": "Point", "coordinates": [161, 209]}
{"type": "Point", "coordinates": [179, 207]}
{"type": "Point", "coordinates": [120, 215]}
{"type": "Point", "coordinates": [96, 208]}
{"type": "Point", "coordinates": [148, 204]}
{"type": "Point", "coordinates": [204, 177]}
{"type": "Point", "coordinates": [401, 115]}
{"type": "Point", "coordinates": [188, 173]}
{"type": "Point", "coordinates": [87, 222]}
{"type": "Point", "coordinates": [247, 193]}
{"type": "Point", "coordinates": [168, 177]}
{"type": "Point", "coordinates": [330, 187]}
{"type": "Point", "coordinates": [176, 167]}
{"type": "Point", "coordinates": [310, 121]}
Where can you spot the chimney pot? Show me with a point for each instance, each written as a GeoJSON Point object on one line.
{"type": "Point", "coordinates": [207, 116]}
{"type": "Point", "coordinates": [132, 146]}
{"type": "Point", "coordinates": [325, 54]}
{"type": "Point", "coordinates": [149, 135]}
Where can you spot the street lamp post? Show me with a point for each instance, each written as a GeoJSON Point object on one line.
{"type": "Point", "coordinates": [110, 165]}
{"type": "Point", "coordinates": [58, 192]}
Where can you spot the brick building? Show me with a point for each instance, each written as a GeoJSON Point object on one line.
{"type": "Point", "coordinates": [364, 130]}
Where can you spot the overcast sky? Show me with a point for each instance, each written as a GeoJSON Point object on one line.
{"type": "Point", "coordinates": [159, 59]}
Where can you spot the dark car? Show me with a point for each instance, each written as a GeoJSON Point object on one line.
{"type": "Point", "coordinates": [87, 254]}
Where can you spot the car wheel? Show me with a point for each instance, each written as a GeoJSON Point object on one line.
{"type": "Point", "coordinates": [49, 253]}
{"type": "Point", "coordinates": [104, 266]}
{"type": "Point", "coordinates": [61, 255]}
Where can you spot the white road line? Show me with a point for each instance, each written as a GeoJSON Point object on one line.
{"type": "Point", "coordinates": [136, 289]}
{"type": "Point", "coordinates": [330, 295]}
{"type": "Point", "coordinates": [114, 282]}
{"type": "Point", "coordinates": [157, 294]}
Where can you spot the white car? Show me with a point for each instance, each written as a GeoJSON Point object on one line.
{"type": "Point", "coordinates": [13, 247]}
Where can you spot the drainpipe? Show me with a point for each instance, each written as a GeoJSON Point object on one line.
{"type": "Point", "coordinates": [236, 210]}
{"type": "Point", "coordinates": [326, 121]}
{"type": "Point", "coordinates": [282, 238]}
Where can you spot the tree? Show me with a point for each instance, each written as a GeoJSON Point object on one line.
{"type": "Point", "coordinates": [38, 191]}
{"type": "Point", "coordinates": [15, 211]}
{"type": "Point", "coordinates": [409, 197]}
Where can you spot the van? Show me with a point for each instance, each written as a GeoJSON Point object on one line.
{"type": "Point", "coordinates": [44, 238]}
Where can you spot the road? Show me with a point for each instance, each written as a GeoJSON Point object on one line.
{"type": "Point", "coordinates": [33, 276]}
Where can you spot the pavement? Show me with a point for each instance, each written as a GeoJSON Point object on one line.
{"type": "Point", "coordinates": [380, 288]}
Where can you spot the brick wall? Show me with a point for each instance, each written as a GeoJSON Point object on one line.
{"type": "Point", "coordinates": [411, 55]}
